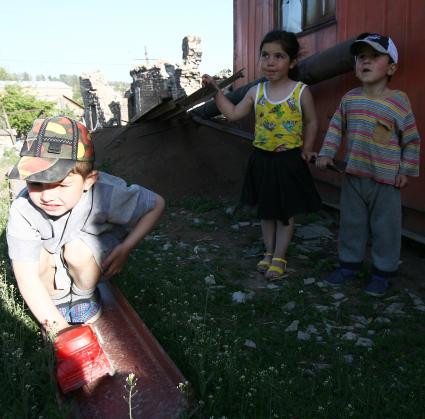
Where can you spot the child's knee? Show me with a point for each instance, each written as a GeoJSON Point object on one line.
{"type": "Point", "coordinates": [77, 253]}
{"type": "Point", "coordinates": [47, 263]}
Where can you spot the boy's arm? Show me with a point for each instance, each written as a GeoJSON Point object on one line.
{"type": "Point", "coordinates": [36, 296]}
{"type": "Point", "coordinates": [410, 145]}
{"type": "Point", "coordinates": [115, 261]}
{"type": "Point", "coordinates": [226, 107]}
{"type": "Point", "coordinates": [310, 124]}
{"type": "Point", "coordinates": [410, 149]}
{"type": "Point", "coordinates": [332, 140]}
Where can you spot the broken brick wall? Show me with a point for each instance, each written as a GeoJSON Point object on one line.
{"type": "Point", "coordinates": [154, 83]}
{"type": "Point", "coordinates": [103, 106]}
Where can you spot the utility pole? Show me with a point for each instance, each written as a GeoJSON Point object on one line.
{"type": "Point", "coordinates": [146, 55]}
{"type": "Point", "coordinates": [6, 119]}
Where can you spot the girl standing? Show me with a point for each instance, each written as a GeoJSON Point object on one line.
{"type": "Point", "coordinates": [277, 180]}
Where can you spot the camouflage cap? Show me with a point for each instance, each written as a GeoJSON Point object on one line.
{"type": "Point", "coordinates": [51, 149]}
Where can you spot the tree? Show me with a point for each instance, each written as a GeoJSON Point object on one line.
{"type": "Point", "coordinates": [22, 109]}
{"type": "Point", "coordinates": [4, 75]}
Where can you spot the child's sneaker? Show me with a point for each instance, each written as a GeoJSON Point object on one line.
{"type": "Point", "coordinates": [339, 277]}
{"type": "Point", "coordinates": [62, 300]}
{"type": "Point", "coordinates": [377, 287]}
{"type": "Point", "coordinates": [86, 310]}
{"type": "Point", "coordinates": [64, 311]}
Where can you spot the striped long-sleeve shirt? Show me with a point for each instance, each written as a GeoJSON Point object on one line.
{"type": "Point", "coordinates": [381, 137]}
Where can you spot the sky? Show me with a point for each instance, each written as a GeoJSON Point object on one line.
{"type": "Point", "coordinates": [53, 37]}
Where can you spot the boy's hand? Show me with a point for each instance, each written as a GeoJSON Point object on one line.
{"type": "Point", "coordinates": [115, 261]}
{"type": "Point", "coordinates": [323, 162]}
{"type": "Point", "coordinates": [401, 181]}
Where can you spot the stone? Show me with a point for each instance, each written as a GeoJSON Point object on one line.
{"type": "Point", "coordinates": [364, 342]}
{"type": "Point", "coordinates": [303, 335]}
{"type": "Point", "coordinates": [309, 281]}
{"type": "Point", "coordinates": [250, 344]}
{"type": "Point", "coordinates": [293, 327]}
{"type": "Point", "coordinates": [209, 280]}
{"type": "Point", "coordinates": [313, 231]}
{"type": "Point", "coordinates": [350, 336]}
{"type": "Point", "coordinates": [289, 306]}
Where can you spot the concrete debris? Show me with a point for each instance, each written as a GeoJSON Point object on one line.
{"type": "Point", "coordinates": [350, 336]}
{"type": "Point", "coordinates": [250, 344]}
{"type": "Point", "coordinates": [289, 306]}
{"type": "Point", "coordinates": [303, 336]}
{"type": "Point", "coordinates": [241, 297]}
{"type": "Point", "coordinates": [293, 327]}
{"type": "Point", "coordinates": [309, 281]}
{"type": "Point", "coordinates": [313, 231]}
{"type": "Point", "coordinates": [209, 280]}
{"type": "Point", "coordinates": [338, 296]}
{"type": "Point", "coordinates": [364, 342]}
{"type": "Point", "coordinates": [348, 358]}
{"type": "Point", "coordinates": [395, 308]}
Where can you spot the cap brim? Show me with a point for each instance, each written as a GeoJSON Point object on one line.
{"type": "Point", "coordinates": [354, 48]}
{"type": "Point", "coordinates": [43, 170]}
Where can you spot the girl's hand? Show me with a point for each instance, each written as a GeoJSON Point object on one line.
{"type": "Point", "coordinates": [323, 162]}
{"type": "Point", "coordinates": [207, 79]}
{"type": "Point", "coordinates": [308, 156]}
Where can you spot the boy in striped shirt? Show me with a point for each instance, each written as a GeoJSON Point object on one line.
{"type": "Point", "coordinates": [381, 151]}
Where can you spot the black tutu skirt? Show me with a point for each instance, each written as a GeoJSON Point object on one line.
{"type": "Point", "coordinates": [279, 184]}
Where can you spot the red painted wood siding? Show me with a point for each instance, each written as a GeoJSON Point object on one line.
{"type": "Point", "coordinates": [250, 17]}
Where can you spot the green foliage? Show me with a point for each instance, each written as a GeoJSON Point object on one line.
{"type": "Point", "coordinates": [73, 81]}
{"type": "Point", "coordinates": [28, 388]}
{"type": "Point", "coordinates": [241, 360]}
{"type": "Point", "coordinates": [5, 75]}
{"type": "Point", "coordinates": [119, 86]}
{"type": "Point", "coordinates": [22, 109]}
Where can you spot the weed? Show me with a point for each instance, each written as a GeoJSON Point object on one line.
{"type": "Point", "coordinates": [130, 388]}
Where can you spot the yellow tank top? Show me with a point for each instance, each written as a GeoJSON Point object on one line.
{"type": "Point", "coordinates": [278, 125]}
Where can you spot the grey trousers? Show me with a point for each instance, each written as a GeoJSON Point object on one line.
{"type": "Point", "coordinates": [368, 207]}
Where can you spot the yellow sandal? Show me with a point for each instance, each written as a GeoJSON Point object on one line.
{"type": "Point", "coordinates": [263, 265]}
{"type": "Point", "coordinates": [277, 272]}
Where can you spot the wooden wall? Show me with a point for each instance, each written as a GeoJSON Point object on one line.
{"type": "Point", "coordinates": [252, 19]}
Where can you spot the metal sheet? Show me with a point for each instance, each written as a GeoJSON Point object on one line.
{"type": "Point", "coordinates": [131, 348]}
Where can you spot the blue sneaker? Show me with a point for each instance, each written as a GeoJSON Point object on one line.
{"type": "Point", "coordinates": [377, 287]}
{"type": "Point", "coordinates": [86, 310]}
{"type": "Point", "coordinates": [64, 311]}
{"type": "Point", "coordinates": [339, 277]}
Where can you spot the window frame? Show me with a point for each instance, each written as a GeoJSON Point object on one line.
{"type": "Point", "coordinates": [306, 29]}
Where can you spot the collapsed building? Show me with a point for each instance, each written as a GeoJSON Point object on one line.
{"type": "Point", "coordinates": [152, 85]}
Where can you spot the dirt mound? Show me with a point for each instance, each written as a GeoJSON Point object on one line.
{"type": "Point", "coordinates": [176, 158]}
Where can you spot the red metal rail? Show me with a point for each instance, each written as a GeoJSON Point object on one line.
{"type": "Point", "coordinates": [131, 348]}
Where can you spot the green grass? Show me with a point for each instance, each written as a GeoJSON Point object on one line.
{"type": "Point", "coordinates": [205, 333]}
{"type": "Point", "coordinates": [26, 386]}
{"type": "Point", "coordinates": [209, 337]}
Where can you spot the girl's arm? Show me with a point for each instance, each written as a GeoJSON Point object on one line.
{"type": "Point", "coordinates": [310, 124]}
{"type": "Point", "coordinates": [226, 107]}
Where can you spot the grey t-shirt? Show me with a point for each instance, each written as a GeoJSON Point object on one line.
{"type": "Point", "coordinates": [102, 218]}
